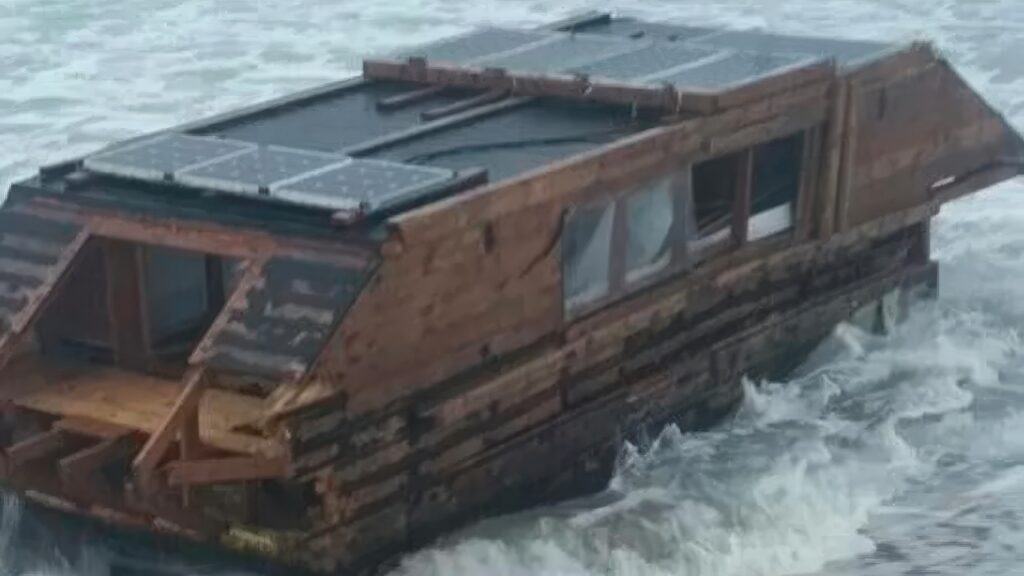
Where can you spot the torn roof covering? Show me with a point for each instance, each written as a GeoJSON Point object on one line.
{"type": "Point", "coordinates": [633, 52]}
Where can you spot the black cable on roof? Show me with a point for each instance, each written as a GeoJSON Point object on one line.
{"type": "Point", "coordinates": [602, 137]}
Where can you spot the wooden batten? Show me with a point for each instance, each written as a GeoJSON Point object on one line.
{"type": "Point", "coordinates": [80, 468]}
{"type": "Point", "coordinates": [409, 98]}
{"type": "Point", "coordinates": [42, 445]}
{"type": "Point", "coordinates": [488, 97]}
{"type": "Point", "coordinates": [126, 303]}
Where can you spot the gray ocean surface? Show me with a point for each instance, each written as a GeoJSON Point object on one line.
{"type": "Point", "coordinates": [883, 455]}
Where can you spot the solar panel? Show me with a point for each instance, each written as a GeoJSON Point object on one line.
{"type": "Point", "coordinates": [369, 185]}
{"type": "Point", "coordinates": [475, 44]}
{"type": "Point", "coordinates": [160, 157]}
{"type": "Point", "coordinates": [648, 60]}
{"type": "Point", "coordinates": [731, 70]}
{"type": "Point", "coordinates": [565, 52]}
{"type": "Point", "coordinates": [256, 170]}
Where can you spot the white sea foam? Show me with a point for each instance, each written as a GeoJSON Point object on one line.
{"type": "Point", "coordinates": [883, 455]}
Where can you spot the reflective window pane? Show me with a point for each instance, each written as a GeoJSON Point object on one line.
{"type": "Point", "coordinates": [587, 248]}
{"type": "Point", "coordinates": [649, 215]}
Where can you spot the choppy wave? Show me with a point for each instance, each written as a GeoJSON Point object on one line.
{"type": "Point", "coordinates": [896, 454]}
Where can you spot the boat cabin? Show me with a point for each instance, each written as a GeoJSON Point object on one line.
{"type": "Point", "coordinates": [328, 327]}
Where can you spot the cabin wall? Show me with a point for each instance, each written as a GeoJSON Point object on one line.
{"type": "Point", "coordinates": [479, 275]}
{"type": "Point", "coordinates": [459, 342]}
{"type": "Point", "coordinates": [455, 380]}
{"type": "Point", "coordinates": [911, 123]}
{"type": "Point", "coordinates": [486, 445]}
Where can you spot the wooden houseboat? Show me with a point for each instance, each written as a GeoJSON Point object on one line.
{"type": "Point", "coordinates": [330, 327]}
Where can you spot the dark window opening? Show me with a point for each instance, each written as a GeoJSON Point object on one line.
{"type": "Point", "coordinates": [776, 186]}
{"type": "Point", "coordinates": [714, 195]}
{"type": "Point", "coordinates": [139, 306]}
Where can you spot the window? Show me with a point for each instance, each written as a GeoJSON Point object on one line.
{"type": "Point", "coordinates": [649, 215]}
{"type": "Point", "coordinates": [671, 222]}
{"type": "Point", "coordinates": [776, 184]}
{"type": "Point", "coordinates": [176, 286]}
{"type": "Point", "coordinates": [586, 256]}
{"type": "Point", "coordinates": [715, 183]}
{"type": "Point", "coordinates": [621, 243]}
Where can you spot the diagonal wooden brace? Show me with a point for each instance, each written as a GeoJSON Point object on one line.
{"type": "Point", "coordinates": [185, 410]}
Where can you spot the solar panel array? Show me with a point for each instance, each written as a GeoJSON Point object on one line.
{"type": "Point", "coordinates": [161, 157]}
{"type": "Point", "coordinates": [372, 184]}
{"type": "Point", "coordinates": [304, 177]}
{"type": "Point", "coordinates": [694, 58]}
{"type": "Point", "coordinates": [258, 170]}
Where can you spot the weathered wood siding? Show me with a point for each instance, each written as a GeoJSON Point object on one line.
{"type": "Point", "coordinates": [488, 443]}
{"type": "Point", "coordinates": [910, 128]}
{"type": "Point", "coordinates": [479, 275]}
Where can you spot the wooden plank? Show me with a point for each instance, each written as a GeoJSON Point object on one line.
{"type": "Point", "coordinates": [139, 402]}
{"type": "Point", "coordinates": [91, 428]}
{"type": "Point", "coordinates": [974, 182]}
{"type": "Point", "coordinates": [225, 470]}
{"type": "Point", "coordinates": [846, 162]}
{"type": "Point", "coordinates": [160, 441]}
{"type": "Point", "coordinates": [809, 178]}
{"type": "Point", "coordinates": [199, 236]}
{"type": "Point", "coordinates": [80, 467]}
{"type": "Point", "coordinates": [409, 98]}
{"type": "Point", "coordinates": [41, 445]}
{"type": "Point", "coordinates": [127, 305]}
{"type": "Point", "coordinates": [741, 198]}
{"type": "Point", "coordinates": [487, 97]}
{"type": "Point", "coordinates": [832, 166]}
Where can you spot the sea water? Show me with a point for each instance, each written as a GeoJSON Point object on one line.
{"type": "Point", "coordinates": [884, 454]}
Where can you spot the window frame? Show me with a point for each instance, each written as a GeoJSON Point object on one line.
{"type": "Point", "coordinates": [683, 257]}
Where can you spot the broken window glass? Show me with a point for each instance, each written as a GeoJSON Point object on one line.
{"type": "Point", "coordinates": [586, 256]}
